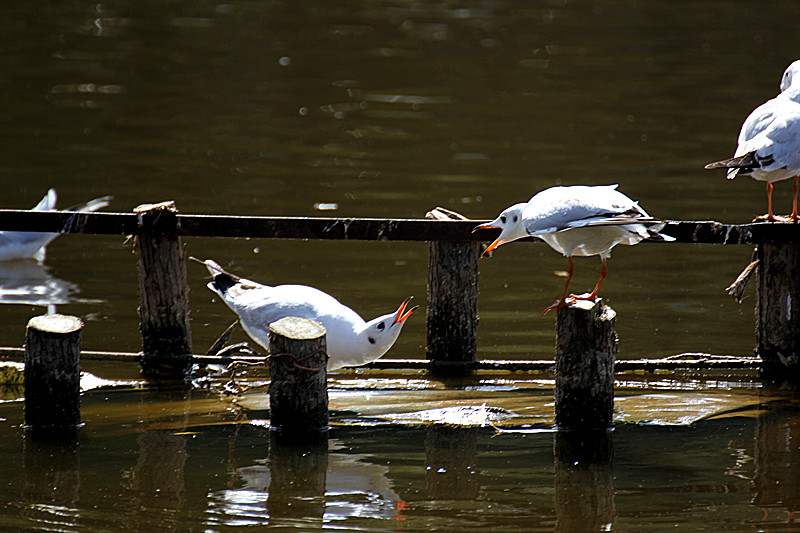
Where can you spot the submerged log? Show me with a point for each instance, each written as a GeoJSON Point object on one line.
{"type": "Point", "coordinates": [778, 309]}
{"type": "Point", "coordinates": [53, 373]}
{"type": "Point", "coordinates": [298, 393]}
{"type": "Point", "coordinates": [163, 293]}
{"type": "Point", "coordinates": [586, 346]}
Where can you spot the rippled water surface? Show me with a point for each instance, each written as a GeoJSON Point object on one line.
{"type": "Point", "coordinates": [388, 109]}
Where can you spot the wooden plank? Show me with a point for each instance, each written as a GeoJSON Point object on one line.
{"type": "Point", "coordinates": [370, 229]}
{"type": "Point", "coordinates": [692, 361]}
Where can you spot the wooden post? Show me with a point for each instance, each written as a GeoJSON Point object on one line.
{"type": "Point", "coordinates": [778, 308]}
{"type": "Point", "coordinates": [53, 373]}
{"type": "Point", "coordinates": [452, 319]}
{"type": "Point", "coordinates": [586, 346]}
{"type": "Point", "coordinates": [163, 293]}
{"type": "Point", "coordinates": [298, 393]}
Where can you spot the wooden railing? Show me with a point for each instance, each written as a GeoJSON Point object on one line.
{"type": "Point", "coordinates": [453, 266]}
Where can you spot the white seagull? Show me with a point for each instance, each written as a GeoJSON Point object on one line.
{"type": "Point", "coordinates": [579, 220]}
{"type": "Point", "coordinates": [27, 245]}
{"type": "Point", "coordinates": [351, 341]}
{"type": "Point", "coordinates": [769, 141]}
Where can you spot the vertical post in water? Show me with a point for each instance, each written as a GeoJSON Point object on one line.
{"type": "Point", "coordinates": [163, 293]}
{"type": "Point", "coordinates": [298, 388]}
{"type": "Point", "coordinates": [586, 346]}
{"type": "Point", "coordinates": [53, 373]}
{"type": "Point", "coordinates": [778, 308]}
{"type": "Point", "coordinates": [452, 316]}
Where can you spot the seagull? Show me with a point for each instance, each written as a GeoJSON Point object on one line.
{"type": "Point", "coordinates": [29, 244]}
{"type": "Point", "coordinates": [769, 141]}
{"type": "Point", "coordinates": [579, 220]}
{"type": "Point", "coordinates": [350, 340]}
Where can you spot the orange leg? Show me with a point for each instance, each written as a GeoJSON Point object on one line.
{"type": "Point", "coordinates": [593, 295]}
{"type": "Point", "coordinates": [558, 304]}
{"type": "Point", "coordinates": [770, 216]}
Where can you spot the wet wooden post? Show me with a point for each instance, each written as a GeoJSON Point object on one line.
{"type": "Point", "coordinates": [586, 346]}
{"type": "Point", "coordinates": [452, 310]}
{"type": "Point", "coordinates": [53, 373]}
{"type": "Point", "coordinates": [298, 392]}
{"type": "Point", "coordinates": [778, 309]}
{"type": "Point", "coordinates": [163, 293]}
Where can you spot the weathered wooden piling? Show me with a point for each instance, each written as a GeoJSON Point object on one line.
{"type": "Point", "coordinates": [452, 310]}
{"type": "Point", "coordinates": [298, 393]}
{"type": "Point", "coordinates": [163, 293]}
{"type": "Point", "coordinates": [778, 309]}
{"type": "Point", "coordinates": [53, 373]}
{"type": "Point", "coordinates": [586, 346]}
{"type": "Point", "coordinates": [452, 319]}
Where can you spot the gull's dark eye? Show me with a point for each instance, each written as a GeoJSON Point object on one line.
{"type": "Point", "coordinates": [503, 219]}
{"type": "Point", "coordinates": [371, 340]}
{"type": "Point", "coordinates": [515, 218]}
{"type": "Point", "coordinates": [380, 326]}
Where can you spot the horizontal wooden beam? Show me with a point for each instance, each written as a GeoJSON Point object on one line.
{"type": "Point", "coordinates": [694, 361]}
{"type": "Point", "coordinates": [363, 229]}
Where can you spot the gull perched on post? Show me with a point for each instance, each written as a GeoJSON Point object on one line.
{"type": "Point", "coordinates": [578, 220]}
{"type": "Point", "coordinates": [30, 244]}
{"type": "Point", "coordinates": [769, 141]}
{"type": "Point", "coordinates": [350, 340]}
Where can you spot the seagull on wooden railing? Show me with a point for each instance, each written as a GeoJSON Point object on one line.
{"type": "Point", "coordinates": [29, 244]}
{"type": "Point", "coordinates": [350, 340]}
{"type": "Point", "coordinates": [769, 141]}
{"type": "Point", "coordinates": [579, 220]}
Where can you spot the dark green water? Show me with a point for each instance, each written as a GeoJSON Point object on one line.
{"type": "Point", "coordinates": [388, 109]}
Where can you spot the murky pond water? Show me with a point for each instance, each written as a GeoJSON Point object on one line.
{"type": "Point", "coordinates": [388, 109]}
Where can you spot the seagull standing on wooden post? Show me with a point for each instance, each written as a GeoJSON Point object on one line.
{"type": "Point", "coordinates": [769, 142]}
{"type": "Point", "coordinates": [579, 220]}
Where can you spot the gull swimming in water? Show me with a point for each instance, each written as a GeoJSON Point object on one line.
{"type": "Point", "coordinates": [579, 220]}
{"type": "Point", "coordinates": [350, 340]}
{"type": "Point", "coordinates": [29, 244]}
{"type": "Point", "coordinates": [769, 141]}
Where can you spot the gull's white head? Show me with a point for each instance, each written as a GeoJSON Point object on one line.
{"type": "Point", "coordinates": [510, 224]}
{"type": "Point", "coordinates": [381, 333]}
{"type": "Point", "coordinates": [791, 75]}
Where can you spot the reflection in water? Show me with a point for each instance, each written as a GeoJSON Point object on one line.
{"type": "Point", "coordinates": [306, 484]}
{"type": "Point", "coordinates": [584, 481]}
{"type": "Point", "coordinates": [451, 463]}
{"type": "Point", "coordinates": [777, 462]}
{"type": "Point", "coordinates": [52, 481]}
{"type": "Point", "coordinates": [30, 282]}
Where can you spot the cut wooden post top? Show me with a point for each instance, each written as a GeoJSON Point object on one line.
{"type": "Point", "coordinates": [594, 306]}
{"type": "Point", "coordinates": [56, 323]}
{"type": "Point", "coordinates": [298, 328]}
{"type": "Point", "coordinates": [169, 205]}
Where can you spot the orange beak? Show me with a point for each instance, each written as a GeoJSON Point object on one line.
{"type": "Point", "coordinates": [402, 314]}
{"type": "Point", "coordinates": [496, 242]}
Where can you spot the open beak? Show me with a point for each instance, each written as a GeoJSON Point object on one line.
{"type": "Point", "coordinates": [488, 225]}
{"type": "Point", "coordinates": [402, 314]}
{"type": "Point", "coordinates": [497, 241]}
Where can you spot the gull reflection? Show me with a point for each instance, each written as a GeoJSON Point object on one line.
{"type": "Point", "coordinates": [29, 282]}
{"type": "Point", "coordinates": [352, 487]}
